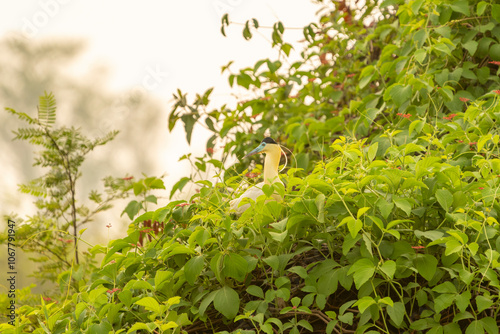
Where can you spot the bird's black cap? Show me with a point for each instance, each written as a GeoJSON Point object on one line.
{"type": "Point", "coordinates": [269, 140]}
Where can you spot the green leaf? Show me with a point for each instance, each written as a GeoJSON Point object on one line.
{"type": "Point", "coordinates": [193, 268]}
{"type": "Point", "coordinates": [463, 300]}
{"type": "Point", "coordinates": [362, 211]}
{"type": "Point", "coordinates": [420, 55]}
{"type": "Point", "coordinates": [475, 327]}
{"type": "Point", "coordinates": [354, 226]}
{"type": "Point", "coordinates": [445, 198]}
{"type": "Point", "coordinates": [256, 291]}
{"type": "Point", "coordinates": [161, 278]}
{"type": "Point", "coordinates": [481, 7]}
{"type": "Point", "coordinates": [385, 207]}
{"type": "Point", "coordinates": [446, 287]}
{"type": "Point", "coordinates": [490, 325]}
{"type": "Point", "coordinates": [453, 246]}
{"type": "Point", "coordinates": [362, 271]}
{"type": "Point", "coordinates": [140, 325]}
{"type": "Point", "coordinates": [179, 185]}
{"type": "Point", "coordinates": [482, 303]}
{"type": "Point", "coordinates": [235, 266]}
{"type": "Point", "coordinates": [372, 151]}
{"type": "Point", "coordinates": [227, 302]}
{"type": "Point", "coordinates": [47, 110]}
{"type": "Point", "coordinates": [132, 209]}
{"type": "Point", "coordinates": [389, 268]}
{"type": "Point", "coordinates": [403, 204]}
{"type": "Point", "coordinates": [400, 94]}
{"type": "Point", "coordinates": [189, 122]}
{"type": "Point", "coordinates": [461, 6]}
{"type": "Point", "coordinates": [443, 301]}
{"type": "Point", "coordinates": [150, 304]}
{"type": "Point", "coordinates": [426, 265]}
{"type": "Point", "coordinates": [471, 46]}
{"type": "Point", "coordinates": [206, 302]}
{"type": "Point", "coordinates": [495, 12]}
{"type": "Point", "coordinates": [396, 313]}
{"type": "Point", "coordinates": [151, 199]}
{"type": "Point", "coordinates": [364, 303]}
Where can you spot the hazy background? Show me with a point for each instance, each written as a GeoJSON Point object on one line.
{"type": "Point", "coordinates": [115, 65]}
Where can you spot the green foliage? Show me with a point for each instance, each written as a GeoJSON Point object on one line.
{"type": "Point", "coordinates": [390, 215]}
{"type": "Point", "coordinates": [51, 235]}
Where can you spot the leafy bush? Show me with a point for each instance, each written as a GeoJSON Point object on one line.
{"type": "Point", "coordinates": [390, 218]}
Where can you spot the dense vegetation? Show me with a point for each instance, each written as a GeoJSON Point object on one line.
{"type": "Point", "coordinates": [390, 215]}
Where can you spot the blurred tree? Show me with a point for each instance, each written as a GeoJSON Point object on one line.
{"type": "Point", "coordinates": [30, 67]}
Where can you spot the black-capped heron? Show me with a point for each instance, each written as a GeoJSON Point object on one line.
{"type": "Point", "coordinates": [271, 174]}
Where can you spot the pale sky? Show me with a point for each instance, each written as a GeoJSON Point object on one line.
{"type": "Point", "coordinates": [162, 46]}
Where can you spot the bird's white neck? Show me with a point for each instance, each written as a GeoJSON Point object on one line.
{"type": "Point", "coordinates": [271, 164]}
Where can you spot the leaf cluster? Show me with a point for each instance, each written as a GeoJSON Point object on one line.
{"type": "Point", "coordinates": [390, 215]}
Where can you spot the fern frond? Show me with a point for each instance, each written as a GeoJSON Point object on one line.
{"type": "Point", "coordinates": [32, 189]}
{"type": "Point", "coordinates": [28, 133]}
{"type": "Point", "coordinates": [22, 116]}
{"type": "Point", "coordinates": [47, 110]}
{"type": "Point", "coordinates": [103, 140]}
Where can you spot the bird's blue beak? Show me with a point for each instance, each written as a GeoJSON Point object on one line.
{"type": "Point", "coordinates": [256, 150]}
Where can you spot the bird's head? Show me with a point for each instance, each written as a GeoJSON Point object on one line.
{"type": "Point", "coordinates": [267, 145]}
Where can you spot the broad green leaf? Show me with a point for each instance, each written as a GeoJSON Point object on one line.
{"type": "Point", "coordinates": [453, 246]}
{"type": "Point", "coordinates": [354, 226]}
{"type": "Point", "coordinates": [193, 268]}
{"type": "Point", "coordinates": [473, 247]}
{"type": "Point", "coordinates": [446, 287]}
{"type": "Point", "coordinates": [490, 325]}
{"type": "Point", "coordinates": [400, 94]}
{"type": "Point", "coordinates": [372, 151]}
{"type": "Point", "coordinates": [443, 301]}
{"type": "Point", "coordinates": [161, 278]}
{"type": "Point", "coordinates": [150, 304]}
{"type": "Point", "coordinates": [461, 6]}
{"type": "Point", "coordinates": [420, 56]}
{"type": "Point", "coordinates": [403, 204]}
{"type": "Point", "coordinates": [463, 300]}
{"type": "Point", "coordinates": [385, 207]}
{"type": "Point", "coordinates": [362, 271]}
{"type": "Point", "coordinates": [140, 325]}
{"type": "Point", "coordinates": [132, 209]}
{"type": "Point", "coordinates": [389, 268]}
{"type": "Point", "coordinates": [481, 7]}
{"type": "Point", "coordinates": [227, 302]}
{"type": "Point", "coordinates": [362, 211]}
{"type": "Point", "coordinates": [235, 266]}
{"type": "Point", "coordinates": [482, 303]}
{"type": "Point", "coordinates": [279, 237]}
{"type": "Point", "coordinates": [445, 198]}
{"type": "Point", "coordinates": [206, 302]}
{"type": "Point", "coordinates": [471, 46]}
{"type": "Point", "coordinates": [386, 301]}
{"type": "Point", "coordinates": [396, 313]}
{"type": "Point", "coordinates": [475, 327]}
{"type": "Point", "coordinates": [256, 291]}
{"type": "Point", "coordinates": [495, 12]}
{"type": "Point", "coordinates": [364, 303]}
{"type": "Point", "coordinates": [426, 265]}
{"type": "Point", "coordinates": [179, 185]}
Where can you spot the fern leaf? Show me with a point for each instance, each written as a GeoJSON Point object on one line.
{"type": "Point", "coordinates": [34, 190]}
{"type": "Point", "coordinates": [28, 133]}
{"type": "Point", "coordinates": [22, 116]}
{"type": "Point", "coordinates": [106, 138]}
{"type": "Point", "coordinates": [47, 110]}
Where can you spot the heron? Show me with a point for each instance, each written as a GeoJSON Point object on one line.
{"type": "Point", "coordinates": [272, 151]}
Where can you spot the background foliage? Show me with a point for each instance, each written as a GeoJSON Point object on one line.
{"type": "Point", "coordinates": [390, 217]}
